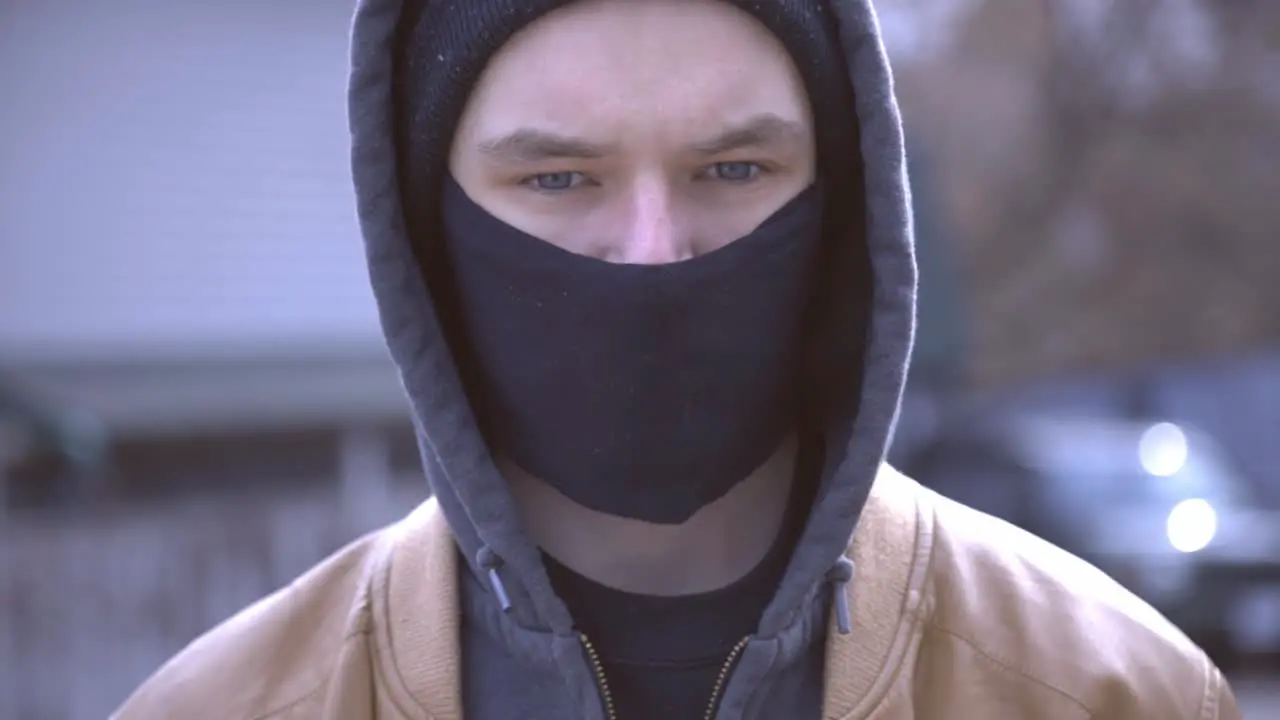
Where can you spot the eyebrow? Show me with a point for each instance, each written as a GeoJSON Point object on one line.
{"type": "Point", "coordinates": [531, 145]}
{"type": "Point", "coordinates": [757, 131]}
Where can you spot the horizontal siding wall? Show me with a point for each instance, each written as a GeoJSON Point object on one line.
{"type": "Point", "coordinates": [174, 179]}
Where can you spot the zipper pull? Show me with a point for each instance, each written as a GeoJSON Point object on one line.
{"type": "Point", "coordinates": [489, 561]}
{"type": "Point", "coordinates": [840, 576]}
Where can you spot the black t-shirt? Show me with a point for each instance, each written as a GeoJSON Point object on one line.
{"type": "Point", "coordinates": [662, 656]}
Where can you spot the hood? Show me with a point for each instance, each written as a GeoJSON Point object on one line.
{"type": "Point", "coordinates": [875, 270]}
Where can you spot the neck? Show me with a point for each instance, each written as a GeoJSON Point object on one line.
{"type": "Point", "coordinates": [717, 546]}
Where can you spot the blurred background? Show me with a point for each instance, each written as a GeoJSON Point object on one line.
{"type": "Point", "coordinates": [195, 402]}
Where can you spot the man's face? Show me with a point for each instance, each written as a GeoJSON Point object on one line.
{"type": "Point", "coordinates": [637, 132]}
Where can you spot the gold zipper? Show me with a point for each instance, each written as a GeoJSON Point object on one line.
{"type": "Point", "coordinates": [603, 682]}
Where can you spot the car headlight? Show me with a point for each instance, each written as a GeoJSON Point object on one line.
{"type": "Point", "coordinates": [1191, 525]}
{"type": "Point", "coordinates": [1163, 450]}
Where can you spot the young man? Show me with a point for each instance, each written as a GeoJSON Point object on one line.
{"type": "Point", "coordinates": [646, 269]}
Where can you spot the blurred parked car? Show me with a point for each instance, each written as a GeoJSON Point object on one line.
{"type": "Point", "coordinates": [1156, 505]}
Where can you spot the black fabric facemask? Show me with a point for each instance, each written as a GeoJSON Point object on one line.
{"type": "Point", "coordinates": [640, 391]}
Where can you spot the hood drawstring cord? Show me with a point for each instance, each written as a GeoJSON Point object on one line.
{"type": "Point", "coordinates": [839, 576]}
{"type": "Point", "coordinates": [489, 561]}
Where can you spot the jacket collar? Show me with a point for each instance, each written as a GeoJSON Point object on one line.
{"type": "Point", "coordinates": [416, 612]}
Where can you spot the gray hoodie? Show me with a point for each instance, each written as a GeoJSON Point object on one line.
{"type": "Point", "coordinates": [521, 655]}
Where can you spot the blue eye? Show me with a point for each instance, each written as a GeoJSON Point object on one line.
{"type": "Point", "coordinates": [554, 182]}
{"type": "Point", "coordinates": [735, 171]}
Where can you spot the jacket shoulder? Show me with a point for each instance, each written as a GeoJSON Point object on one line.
{"type": "Point", "coordinates": [273, 655]}
{"type": "Point", "coordinates": [1039, 614]}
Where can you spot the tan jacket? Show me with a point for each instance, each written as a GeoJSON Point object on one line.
{"type": "Point", "coordinates": [956, 616]}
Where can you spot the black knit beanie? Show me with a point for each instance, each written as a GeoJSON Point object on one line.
{"type": "Point", "coordinates": [444, 46]}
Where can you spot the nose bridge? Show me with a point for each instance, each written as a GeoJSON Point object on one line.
{"type": "Point", "coordinates": [654, 237]}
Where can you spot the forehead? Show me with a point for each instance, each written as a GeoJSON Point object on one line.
{"type": "Point", "coordinates": [622, 69]}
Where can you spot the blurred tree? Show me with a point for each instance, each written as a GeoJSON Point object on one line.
{"type": "Point", "coordinates": [1110, 170]}
{"type": "Point", "coordinates": [941, 353]}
